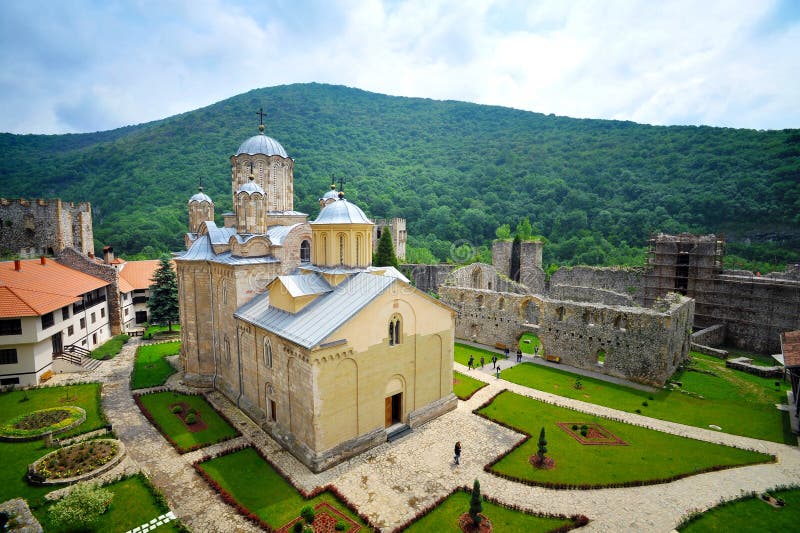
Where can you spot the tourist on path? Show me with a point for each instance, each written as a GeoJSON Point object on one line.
{"type": "Point", "coordinates": [457, 451]}
{"type": "Point", "coordinates": [506, 352]}
{"type": "Point", "coordinates": [497, 371]}
{"type": "Point", "coordinates": [494, 360]}
{"type": "Point", "coordinates": [519, 355]}
{"type": "Point", "coordinates": [483, 361]}
{"type": "Point", "coordinates": [471, 362]}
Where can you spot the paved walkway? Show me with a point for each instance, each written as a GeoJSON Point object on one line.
{"type": "Point", "coordinates": [391, 482]}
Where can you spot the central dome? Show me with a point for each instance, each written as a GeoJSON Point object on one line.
{"type": "Point", "coordinates": [342, 212]}
{"type": "Point", "coordinates": [261, 144]}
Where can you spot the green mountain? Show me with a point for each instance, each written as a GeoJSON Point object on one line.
{"type": "Point", "coordinates": [594, 188]}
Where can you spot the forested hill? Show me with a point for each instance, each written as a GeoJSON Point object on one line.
{"type": "Point", "coordinates": [456, 171]}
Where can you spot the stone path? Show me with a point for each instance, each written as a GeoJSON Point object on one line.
{"type": "Point", "coordinates": [391, 482]}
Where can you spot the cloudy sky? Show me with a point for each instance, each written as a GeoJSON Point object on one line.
{"type": "Point", "coordinates": [83, 65]}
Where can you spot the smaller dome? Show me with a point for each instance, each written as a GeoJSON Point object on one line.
{"type": "Point", "coordinates": [331, 194]}
{"type": "Point", "coordinates": [251, 187]}
{"type": "Point", "coordinates": [342, 212]}
{"type": "Point", "coordinates": [200, 197]}
{"type": "Point", "coordinates": [261, 144]}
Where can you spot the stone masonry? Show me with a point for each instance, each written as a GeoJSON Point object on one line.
{"type": "Point", "coordinates": [30, 228]}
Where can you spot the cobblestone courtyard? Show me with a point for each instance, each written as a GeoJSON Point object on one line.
{"type": "Point", "coordinates": [391, 482]}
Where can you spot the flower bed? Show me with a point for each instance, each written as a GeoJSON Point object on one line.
{"type": "Point", "coordinates": [78, 461]}
{"type": "Point", "coordinates": [36, 424]}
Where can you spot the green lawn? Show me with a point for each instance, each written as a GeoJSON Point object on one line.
{"type": "Point", "coordinates": [134, 504]}
{"type": "Point", "coordinates": [462, 352]}
{"type": "Point", "coordinates": [17, 456]}
{"type": "Point", "coordinates": [158, 405]}
{"type": "Point", "coordinates": [464, 386]}
{"type": "Point", "coordinates": [150, 368]}
{"type": "Point", "coordinates": [157, 331]}
{"type": "Point", "coordinates": [739, 403]}
{"type": "Point", "coordinates": [648, 455]}
{"type": "Point", "coordinates": [527, 347]}
{"type": "Point", "coordinates": [110, 348]}
{"type": "Point", "coordinates": [750, 515]}
{"type": "Point", "coordinates": [259, 488]}
{"type": "Point", "coordinates": [444, 519]}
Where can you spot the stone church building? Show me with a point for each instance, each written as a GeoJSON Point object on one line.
{"type": "Point", "coordinates": [290, 320]}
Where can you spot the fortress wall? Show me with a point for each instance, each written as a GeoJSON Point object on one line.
{"type": "Point", "coordinates": [427, 278]}
{"type": "Point", "coordinates": [590, 295]}
{"type": "Point", "coordinates": [625, 281]}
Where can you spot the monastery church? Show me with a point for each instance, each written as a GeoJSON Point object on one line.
{"type": "Point", "coordinates": [290, 320]}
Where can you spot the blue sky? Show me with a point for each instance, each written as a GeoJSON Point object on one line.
{"type": "Point", "coordinates": [82, 65]}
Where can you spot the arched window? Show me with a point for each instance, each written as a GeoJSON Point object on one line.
{"type": "Point", "coordinates": [476, 278]}
{"type": "Point", "coordinates": [324, 249]}
{"type": "Point", "coordinates": [227, 350]}
{"type": "Point", "coordinates": [341, 249]}
{"type": "Point", "coordinates": [224, 293]}
{"type": "Point", "coordinates": [267, 353]}
{"type": "Point", "coordinates": [501, 303]}
{"type": "Point", "coordinates": [395, 330]}
{"type": "Point", "coordinates": [305, 251]}
{"type": "Point", "coordinates": [358, 249]}
{"type": "Point", "coordinates": [479, 300]}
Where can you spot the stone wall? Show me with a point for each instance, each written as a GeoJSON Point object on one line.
{"type": "Point", "coordinates": [710, 336]}
{"type": "Point", "coordinates": [397, 228]}
{"type": "Point", "coordinates": [589, 294]}
{"type": "Point", "coordinates": [483, 276]}
{"type": "Point", "coordinates": [625, 281]}
{"type": "Point", "coordinates": [73, 259]}
{"type": "Point", "coordinates": [30, 228]}
{"type": "Point", "coordinates": [427, 278]}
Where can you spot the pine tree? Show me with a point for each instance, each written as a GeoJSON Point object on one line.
{"type": "Point", "coordinates": [475, 504]}
{"type": "Point", "coordinates": [385, 255]}
{"type": "Point", "coordinates": [163, 302]}
{"type": "Point", "coordinates": [542, 447]}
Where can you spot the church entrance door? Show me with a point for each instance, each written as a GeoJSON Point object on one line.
{"type": "Point", "coordinates": [394, 409]}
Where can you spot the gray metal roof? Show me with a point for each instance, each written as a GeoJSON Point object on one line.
{"type": "Point", "coordinates": [342, 212]}
{"type": "Point", "coordinates": [389, 271]}
{"type": "Point", "coordinates": [305, 284]}
{"type": "Point", "coordinates": [200, 197]}
{"type": "Point", "coordinates": [315, 322]}
{"type": "Point", "coordinates": [219, 235]}
{"type": "Point", "coordinates": [201, 250]}
{"type": "Point", "coordinates": [261, 144]}
{"type": "Point", "coordinates": [277, 234]}
{"type": "Point", "coordinates": [251, 187]}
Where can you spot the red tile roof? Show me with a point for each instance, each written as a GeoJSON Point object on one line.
{"type": "Point", "coordinates": [139, 274]}
{"type": "Point", "coordinates": [36, 288]}
{"type": "Point", "coordinates": [790, 344]}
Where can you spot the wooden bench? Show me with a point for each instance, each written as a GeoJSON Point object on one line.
{"type": "Point", "coordinates": [553, 358]}
{"type": "Point", "coordinates": [501, 346]}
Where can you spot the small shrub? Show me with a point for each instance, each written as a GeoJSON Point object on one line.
{"type": "Point", "coordinates": [177, 409]}
{"type": "Point", "coordinates": [650, 398]}
{"type": "Point", "coordinates": [308, 514]}
{"type": "Point", "coordinates": [574, 427]}
{"type": "Point", "coordinates": [81, 507]}
{"type": "Point", "coordinates": [191, 418]}
{"type": "Point", "coordinates": [340, 526]}
{"type": "Point", "coordinates": [584, 427]}
{"type": "Point", "coordinates": [638, 411]}
{"type": "Point", "coordinates": [645, 404]}
{"type": "Point", "coordinates": [584, 432]}
{"type": "Point", "coordinates": [297, 527]}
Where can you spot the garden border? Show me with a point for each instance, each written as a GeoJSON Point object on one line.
{"type": "Point", "coordinates": [588, 486]}
{"type": "Point", "coordinates": [28, 438]}
{"type": "Point", "coordinates": [247, 513]}
{"type": "Point", "coordinates": [178, 448]}
{"type": "Point", "coordinates": [121, 453]}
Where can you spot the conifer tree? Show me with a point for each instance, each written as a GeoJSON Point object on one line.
{"type": "Point", "coordinates": [542, 447]}
{"type": "Point", "coordinates": [475, 504]}
{"type": "Point", "coordinates": [163, 302]}
{"type": "Point", "coordinates": [385, 255]}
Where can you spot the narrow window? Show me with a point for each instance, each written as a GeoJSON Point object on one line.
{"type": "Point", "coordinates": [65, 313]}
{"type": "Point", "coordinates": [83, 323]}
{"type": "Point", "coordinates": [395, 330]}
{"type": "Point", "coordinates": [103, 313]}
{"type": "Point", "coordinates": [267, 353]}
{"type": "Point", "coordinates": [70, 331]}
{"type": "Point", "coordinates": [341, 249]}
{"type": "Point", "coordinates": [305, 252]}
{"type": "Point", "coordinates": [93, 317]}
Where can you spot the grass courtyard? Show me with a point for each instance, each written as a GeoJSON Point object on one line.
{"type": "Point", "coordinates": [648, 456]}
{"type": "Point", "coordinates": [150, 368]}
{"type": "Point", "coordinates": [750, 515]}
{"type": "Point", "coordinates": [110, 348]}
{"type": "Point", "coordinates": [444, 518]}
{"type": "Point", "coordinates": [739, 403]}
{"type": "Point", "coordinates": [256, 486]}
{"type": "Point", "coordinates": [464, 386]}
{"type": "Point", "coordinates": [160, 407]}
{"type": "Point", "coordinates": [462, 352]}
{"type": "Point", "coordinates": [135, 502]}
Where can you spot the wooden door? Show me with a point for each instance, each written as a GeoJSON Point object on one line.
{"type": "Point", "coordinates": [388, 410]}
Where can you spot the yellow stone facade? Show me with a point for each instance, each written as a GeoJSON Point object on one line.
{"type": "Point", "coordinates": [291, 322]}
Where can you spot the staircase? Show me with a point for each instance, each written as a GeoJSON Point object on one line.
{"type": "Point", "coordinates": [78, 356]}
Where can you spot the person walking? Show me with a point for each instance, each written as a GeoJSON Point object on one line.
{"type": "Point", "coordinates": [483, 361]}
{"type": "Point", "coordinates": [519, 355]}
{"type": "Point", "coordinates": [506, 352]}
{"type": "Point", "coordinates": [494, 360]}
{"type": "Point", "coordinates": [457, 452]}
{"type": "Point", "coordinates": [471, 362]}
{"type": "Point", "coordinates": [497, 371]}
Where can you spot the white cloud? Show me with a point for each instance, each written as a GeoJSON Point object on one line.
{"type": "Point", "coordinates": [96, 66]}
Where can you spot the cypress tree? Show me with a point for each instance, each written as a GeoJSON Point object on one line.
{"type": "Point", "coordinates": [385, 255]}
{"type": "Point", "coordinates": [475, 504]}
{"type": "Point", "coordinates": [542, 447]}
{"type": "Point", "coordinates": [163, 302]}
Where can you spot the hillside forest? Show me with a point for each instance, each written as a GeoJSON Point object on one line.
{"type": "Point", "coordinates": [461, 174]}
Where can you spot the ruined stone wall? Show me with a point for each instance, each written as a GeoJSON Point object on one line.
{"type": "Point", "coordinates": [622, 280]}
{"type": "Point", "coordinates": [754, 309]}
{"type": "Point", "coordinates": [483, 276]}
{"type": "Point", "coordinates": [73, 259]}
{"type": "Point", "coordinates": [427, 278]}
{"type": "Point", "coordinates": [643, 345]}
{"type": "Point", "coordinates": [397, 228]}
{"type": "Point", "coordinates": [30, 228]}
{"type": "Point", "coordinates": [589, 294]}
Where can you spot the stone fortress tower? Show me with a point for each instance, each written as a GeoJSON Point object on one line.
{"type": "Point", "coordinates": [31, 228]}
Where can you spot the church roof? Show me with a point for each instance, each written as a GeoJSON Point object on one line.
{"type": "Point", "coordinates": [200, 197]}
{"type": "Point", "coordinates": [315, 322]}
{"type": "Point", "coordinates": [305, 285]}
{"type": "Point", "coordinates": [201, 250]}
{"type": "Point", "coordinates": [342, 212]}
{"type": "Point", "coordinates": [261, 144]}
{"type": "Point", "coordinates": [251, 187]}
